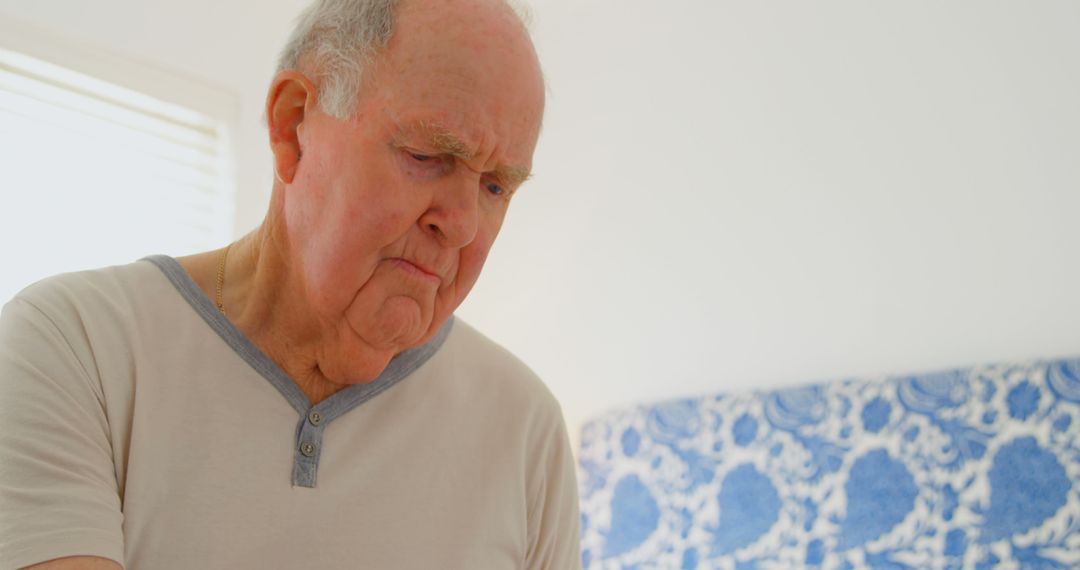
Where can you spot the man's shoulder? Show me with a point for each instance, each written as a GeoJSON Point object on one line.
{"type": "Point", "coordinates": [114, 292]}
{"type": "Point", "coordinates": [104, 282]}
{"type": "Point", "coordinates": [489, 366]}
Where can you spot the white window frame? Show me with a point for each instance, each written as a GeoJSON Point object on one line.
{"type": "Point", "coordinates": [217, 104]}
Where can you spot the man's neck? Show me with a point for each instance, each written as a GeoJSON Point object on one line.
{"type": "Point", "coordinates": [264, 298]}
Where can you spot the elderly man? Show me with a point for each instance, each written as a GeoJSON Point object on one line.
{"type": "Point", "coordinates": [304, 397]}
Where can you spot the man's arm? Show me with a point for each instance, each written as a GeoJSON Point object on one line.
{"type": "Point", "coordinates": [58, 488]}
{"type": "Point", "coordinates": [554, 512]}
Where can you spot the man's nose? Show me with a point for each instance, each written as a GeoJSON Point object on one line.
{"type": "Point", "coordinates": [453, 216]}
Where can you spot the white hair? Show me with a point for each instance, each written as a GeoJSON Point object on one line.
{"type": "Point", "coordinates": [340, 37]}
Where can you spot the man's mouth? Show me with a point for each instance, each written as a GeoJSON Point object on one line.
{"type": "Point", "coordinates": [417, 269]}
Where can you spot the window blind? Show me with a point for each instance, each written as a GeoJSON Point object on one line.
{"type": "Point", "coordinates": [95, 174]}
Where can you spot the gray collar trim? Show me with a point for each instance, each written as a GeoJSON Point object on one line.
{"type": "Point", "coordinates": [401, 366]}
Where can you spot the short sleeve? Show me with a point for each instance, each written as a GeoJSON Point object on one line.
{"type": "Point", "coordinates": [58, 486]}
{"type": "Point", "coordinates": [554, 525]}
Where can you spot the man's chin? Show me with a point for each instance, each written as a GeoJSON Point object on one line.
{"type": "Point", "coordinates": [397, 324]}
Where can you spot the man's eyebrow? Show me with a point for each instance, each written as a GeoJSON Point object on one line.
{"type": "Point", "coordinates": [446, 142]}
{"type": "Point", "coordinates": [512, 176]}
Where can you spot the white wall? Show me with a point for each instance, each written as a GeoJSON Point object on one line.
{"type": "Point", "coordinates": [736, 195]}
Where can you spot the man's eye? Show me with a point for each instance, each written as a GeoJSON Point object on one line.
{"type": "Point", "coordinates": [495, 189]}
{"type": "Point", "coordinates": [421, 157]}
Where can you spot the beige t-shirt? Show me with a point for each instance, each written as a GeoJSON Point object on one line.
{"type": "Point", "coordinates": [137, 424]}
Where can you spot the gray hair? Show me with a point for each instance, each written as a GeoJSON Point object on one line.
{"type": "Point", "coordinates": [341, 37]}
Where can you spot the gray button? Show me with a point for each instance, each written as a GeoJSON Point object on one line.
{"type": "Point", "coordinates": [308, 449]}
{"type": "Point", "coordinates": [314, 417]}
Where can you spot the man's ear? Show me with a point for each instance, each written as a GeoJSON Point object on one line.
{"type": "Point", "coordinates": [292, 96]}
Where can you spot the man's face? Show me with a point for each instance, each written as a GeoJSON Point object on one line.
{"type": "Point", "coordinates": [391, 213]}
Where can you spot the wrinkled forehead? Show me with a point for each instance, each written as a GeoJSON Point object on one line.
{"type": "Point", "coordinates": [467, 66]}
{"type": "Point", "coordinates": [429, 136]}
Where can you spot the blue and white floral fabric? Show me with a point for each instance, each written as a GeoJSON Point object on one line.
{"type": "Point", "coordinates": [975, 468]}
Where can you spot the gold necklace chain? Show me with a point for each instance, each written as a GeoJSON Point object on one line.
{"type": "Point", "coordinates": [221, 278]}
